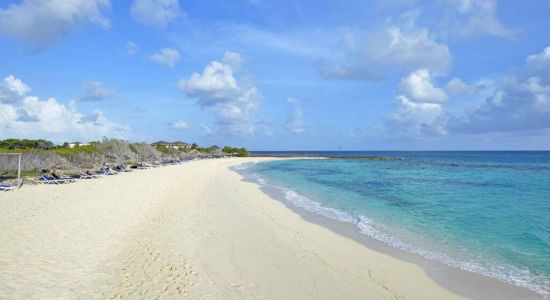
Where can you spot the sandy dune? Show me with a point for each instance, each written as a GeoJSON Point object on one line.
{"type": "Point", "coordinates": [194, 230]}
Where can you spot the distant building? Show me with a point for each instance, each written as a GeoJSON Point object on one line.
{"type": "Point", "coordinates": [77, 144]}
{"type": "Point", "coordinates": [173, 145]}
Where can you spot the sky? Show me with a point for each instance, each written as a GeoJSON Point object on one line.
{"type": "Point", "coordinates": [279, 75]}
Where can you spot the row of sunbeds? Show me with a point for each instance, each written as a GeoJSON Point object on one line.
{"type": "Point", "coordinates": [46, 179]}
{"type": "Point", "coordinates": [106, 171]}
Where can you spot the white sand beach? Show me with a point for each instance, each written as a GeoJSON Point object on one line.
{"type": "Point", "coordinates": [194, 230]}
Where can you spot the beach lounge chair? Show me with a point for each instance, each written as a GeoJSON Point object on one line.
{"type": "Point", "coordinates": [122, 169]}
{"type": "Point", "coordinates": [88, 175]}
{"type": "Point", "coordinates": [107, 171]}
{"type": "Point", "coordinates": [5, 187]}
{"type": "Point", "coordinates": [50, 180]}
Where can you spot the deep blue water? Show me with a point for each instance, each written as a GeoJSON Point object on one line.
{"type": "Point", "coordinates": [487, 212]}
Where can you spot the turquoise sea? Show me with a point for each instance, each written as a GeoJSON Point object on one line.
{"type": "Point", "coordinates": [486, 212]}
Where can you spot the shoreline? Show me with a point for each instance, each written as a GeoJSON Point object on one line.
{"type": "Point", "coordinates": [463, 282]}
{"type": "Point", "coordinates": [195, 230]}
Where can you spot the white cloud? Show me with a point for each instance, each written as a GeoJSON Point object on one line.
{"type": "Point", "coordinates": [475, 17]}
{"type": "Point", "coordinates": [540, 93]}
{"type": "Point", "coordinates": [538, 64]}
{"type": "Point", "coordinates": [42, 23]}
{"type": "Point", "coordinates": [295, 122]}
{"type": "Point", "coordinates": [521, 101]}
{"type": "Point", "coordinates": [167, 57]}
{"type": "Point", "coordinates": [233, 59]}
{"type": "Point", "coordinates": [419, 106]}
{"type": "Point", "coordinates": [400, 45]}
{"type": "Point", "coordinates": [131, 48]}
{"type": "Point", "coordinates": [539, 59]}
{"type": "Point", "coordinates": [418, 87]}
{"type": "Point", "coordinates": [158, 13]}
{"type": "Point", "coordinates": [179, 125]}
{"type": "Point", "coordinates": [96, 91]}
{"type": "Point", "coordinates": [218, 90]}
{"type": "Point", "coordinates": [417, 118]}
{"type": "Point", "coordinates": [422, 106]}
{"type": "Point", "coordinates": [458, 87]}
{"type": "Point", "coordinates": [215, 84]}
{"type": "Point", "coordinates": [517, 102]}
{"type": "Point", "coordinates": [31, 117]}
{"type": "Point", "coordinates": [12, 89]}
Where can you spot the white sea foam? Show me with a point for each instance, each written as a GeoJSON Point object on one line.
{"type": "Point", "coordinates": [365, 226]}
{"type": "Point", "coordinates": [243, 167]}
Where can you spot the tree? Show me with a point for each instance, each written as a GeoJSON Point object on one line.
{"type": "Point", "coordinates": [44, 145]}
{"type": "Point", "coordinates": [26, 144]}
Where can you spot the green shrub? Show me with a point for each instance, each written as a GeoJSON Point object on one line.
{"type": "Point", "coordinates": [26, 144]}
{"type": "Point", "coordinates": [41, 155]}
{"type": "Point", "coordinates": [69, 152]}
{"type": "Point", "coordinates": [242, 152]}
{"type": "Point", "coordinates": [162, 149]}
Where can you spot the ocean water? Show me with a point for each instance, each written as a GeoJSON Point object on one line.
{"type": "Point", "coordinates": [486, 212]}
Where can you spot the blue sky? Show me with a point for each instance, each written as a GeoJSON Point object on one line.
{"type": "Point", "coordinates": [279, 75]}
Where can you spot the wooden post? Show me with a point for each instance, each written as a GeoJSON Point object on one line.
{"type": "Point", "coordinates": [19, 156]}
{"type": "Point", "coordinates": [19, 182]}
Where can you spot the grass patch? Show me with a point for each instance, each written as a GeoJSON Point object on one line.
{"type": "Point", "coordinates": [70, 152]}
{"type": "Point", "coordinates": [162, 149]}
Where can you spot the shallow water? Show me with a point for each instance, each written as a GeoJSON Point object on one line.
{"type": "Point", "coordinates": [487, 212]}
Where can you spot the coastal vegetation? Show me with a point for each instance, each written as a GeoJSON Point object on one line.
{"type": "Point", "coordinates": [241, 152]}
{"type": "Point", "coordinates": [40, 155]}
{"type": "Point", "coordinates": [25, 144]}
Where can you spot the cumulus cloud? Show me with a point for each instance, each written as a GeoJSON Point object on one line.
{"type": "Point", "coordinates": [417, 118]}
{"type": "Point", "coordinates": [233, 59]}
{"type": "Point", "coordinates": [30, 117]}
{"type": "Point", "coordinates": [12, 89]}
{"type": "Point", "coordinates": [218, 91]}
{"type": "Point", "coordinates": [179, 125]}
{"type": "Point", "coordinates": [517, 102]}
{"type": "Point", "coordinates": [42, 23]}
{"type": "Point", "coordinates": [399, 44]}
{"type": "Point", "coordinates": [521, 101]}
{"type": "Point", "coordinates": [131, 48]}
{"type": "Point", "coordinates": [158, 13]}
{"type": "Point", "coordinates": [167, 57]}
{"type": "Point", "coordinates": [538, 64]}
{"type": "Point", "coordinates": [419, 106]}
{"type": "Point", "coordinates": [96, 91]}
{"type": "Point", "coordinates": [457, 86]}
{"type": "Point", "coordinates": [418, 87]}
{"type": "Point", "coordinates": [295, 122]}
{"type": "Point", "coordinates": [215, 84]}
{"type": "Point", "coordinates": [475, 17]}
